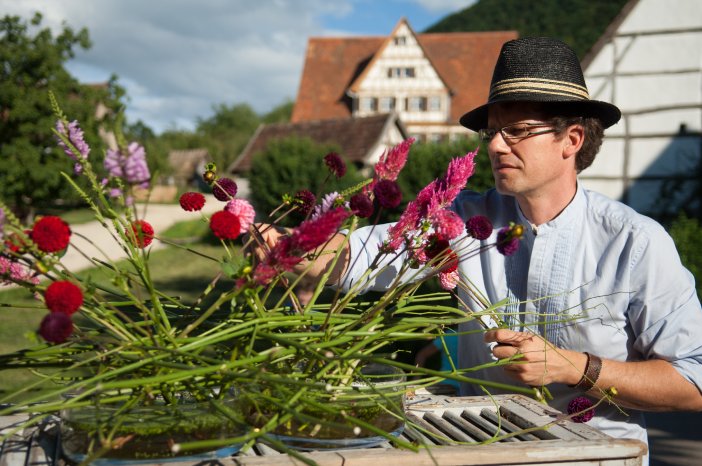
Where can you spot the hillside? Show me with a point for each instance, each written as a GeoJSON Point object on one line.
{"type": "Point", "coordinates": [579, 23]}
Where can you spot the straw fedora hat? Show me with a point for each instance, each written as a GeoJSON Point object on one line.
{"type": "Point", "coordinates": [540, 69]}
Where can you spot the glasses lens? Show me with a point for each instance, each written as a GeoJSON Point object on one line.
{"type": "Point", "coordinates": [515, 131]}
{"type": "Point", "coordinates": [486, 135]}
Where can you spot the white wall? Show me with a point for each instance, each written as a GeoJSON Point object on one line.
{"type": "Point", "coordinates": [652, 70]}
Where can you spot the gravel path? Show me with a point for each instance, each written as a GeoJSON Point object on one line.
{"type": "Point", "coordinates": [95, 241]}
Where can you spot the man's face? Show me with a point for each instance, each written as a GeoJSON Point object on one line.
{"type": "Point", "coordinates": [528, 166]}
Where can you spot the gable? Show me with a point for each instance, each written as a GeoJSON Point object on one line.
{"type": "Point", "coordinates": [463, 61]}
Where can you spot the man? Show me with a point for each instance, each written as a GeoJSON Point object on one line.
{"type": "Point", "coordinates": [598, 297]}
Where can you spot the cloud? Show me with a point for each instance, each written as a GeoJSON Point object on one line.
{"type": "Point", "coordinates": [179, 58]}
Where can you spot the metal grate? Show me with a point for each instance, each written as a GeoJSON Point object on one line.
{"type": "Point", "coordinates": [450, 425]}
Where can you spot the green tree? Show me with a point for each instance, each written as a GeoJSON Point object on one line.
{"type": "Point", "coordinates": [32, 64]}
{"type": "Point", "coordinates": [279, 114]}
{"type": "Point", "coordinates": [579, 23]}
{"type": "Point", "coordinates": [289, 165]}
{"type": "Point", "coordinates": [686, 232]}
{"type": "Point", "coordinates": [227, 131]}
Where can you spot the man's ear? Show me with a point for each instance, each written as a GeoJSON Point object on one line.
{"type": "Point", "coordinates": [573, 140]}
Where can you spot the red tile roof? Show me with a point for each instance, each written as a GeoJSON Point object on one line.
{"type": "Point", "coordinates": [355, 137]}
{"type": "Point", "coordinates": [464, 60]}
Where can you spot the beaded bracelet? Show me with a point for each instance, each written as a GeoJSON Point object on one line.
{"type": "Point", "coordinates": [592, 373]}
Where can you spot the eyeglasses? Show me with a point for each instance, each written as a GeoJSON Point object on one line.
{"type": "Point", "coordinates": [515, 131]}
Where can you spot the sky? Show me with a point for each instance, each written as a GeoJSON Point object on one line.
{"type": "Point", "coordinates": [177, 59]}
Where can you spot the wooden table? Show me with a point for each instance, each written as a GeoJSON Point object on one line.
{"type": "Point", "coordinates": [463, 422]}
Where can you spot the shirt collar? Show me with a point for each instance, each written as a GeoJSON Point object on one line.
{"type": "Point", "coordinates": [567, 217]}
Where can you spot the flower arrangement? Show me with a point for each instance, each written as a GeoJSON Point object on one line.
{"type": "Point", "coordinates": [123, 343]}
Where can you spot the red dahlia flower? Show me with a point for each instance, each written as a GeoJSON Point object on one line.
{"type": "Point", "coordinates": [51, 234]}
{"type": "Point", "coordinates": [142, 233]}
{"type": "Point", "coordinates": [56, 327]}
{"type": "Point", "coordinates": [63, 296]}
{"type": "Point", "coordinates": [225, 225]}
{"type": "Point", "coordinates": [192, 201]}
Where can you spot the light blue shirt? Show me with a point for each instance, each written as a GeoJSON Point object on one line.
{"type": "Point", "coordinates": [599, 278]}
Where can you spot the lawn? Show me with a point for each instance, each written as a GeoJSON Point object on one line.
{"type": "Point", "coordinates": [176, 272]}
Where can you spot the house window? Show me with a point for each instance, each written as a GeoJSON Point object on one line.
{"type": "Point", "coordinates": [369, 104]}
{"type": "Point", "coordinates": [401, 72]}
{"type": "Point", "coordinates": [416, 104]}
{"type": "Point", "coordinates": [434, 103]}
{"type": "Point", "coordinates": [400, 40]}
{"type": "Point", "coordinates": [387, 104]}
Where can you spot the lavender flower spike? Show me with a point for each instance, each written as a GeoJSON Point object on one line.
{"type": "Point", "coordinates": [132, 167]}
{"type": "Point", "coordinates": [75, 136]}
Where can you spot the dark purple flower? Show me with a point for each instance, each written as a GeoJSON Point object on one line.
{"type": "Point", "coordinates": [305, 201]}
{"type": "Point", "coordinates": [335, 164]}
{"type": "Point", "coordinates": [578, 405]}
{"type": "Point", "coordinates": [388, 194]}
{"type": "Point", "coordinates": [508, 239]}
{"type": "Point", "coordinates": [56, 327]}
{"type": "Point", "coordinates": [479, 227]}
{"type": "Point", "coordinates": [224, 189]}
{"type": "Point", "coordinates": [361, 205]}
{"type": "Point", "coordinates": [75, 136]}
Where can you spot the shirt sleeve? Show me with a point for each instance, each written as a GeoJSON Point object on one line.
{"type": "Point", "coordinates": [665, 311]}
{"type": "Point", "coordinates": [369, 269]}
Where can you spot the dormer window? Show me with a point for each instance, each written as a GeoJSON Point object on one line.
{"type": "Point", "coordinates": [400, 40]}
{"type": "Point", "coordinates": [401, 72]}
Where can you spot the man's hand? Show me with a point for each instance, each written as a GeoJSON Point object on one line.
{"type": "Point", "coordinates": [536, 361]}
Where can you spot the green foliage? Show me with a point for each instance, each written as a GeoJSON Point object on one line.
{"type": "Point", "coordinates": [227, 131]}
{"type": "Point", "coordinates": [686, 233]}
{"type": "Point", "coordinates": [428, 161]}
{"type": "Point", "coordinates": [280, 114]}
{"type": "Point", "coordinates": [33, 64]}
{"type": "Point", "coordinates": [579, 23]}
{"type": "Point", "coordinates": [289, 165]}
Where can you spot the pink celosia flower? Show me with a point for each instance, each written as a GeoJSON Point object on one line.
{"type": "Point", "coordinates": [244, 210]}
{"type": "Point", "coordinates": [264, 273]}
{"type": "Point", "coordinates": [447, 223]}
{"type": "Point", "coordinates": [448, 281]}
{"type": "Point", "coordinates": [11, 272]}
{"type": "Point", "coordinates": [390, 163]}
{"type": "Point", "coordinates": [438, 194]}
{"type": "Point", "coordinates": [315, 232]}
